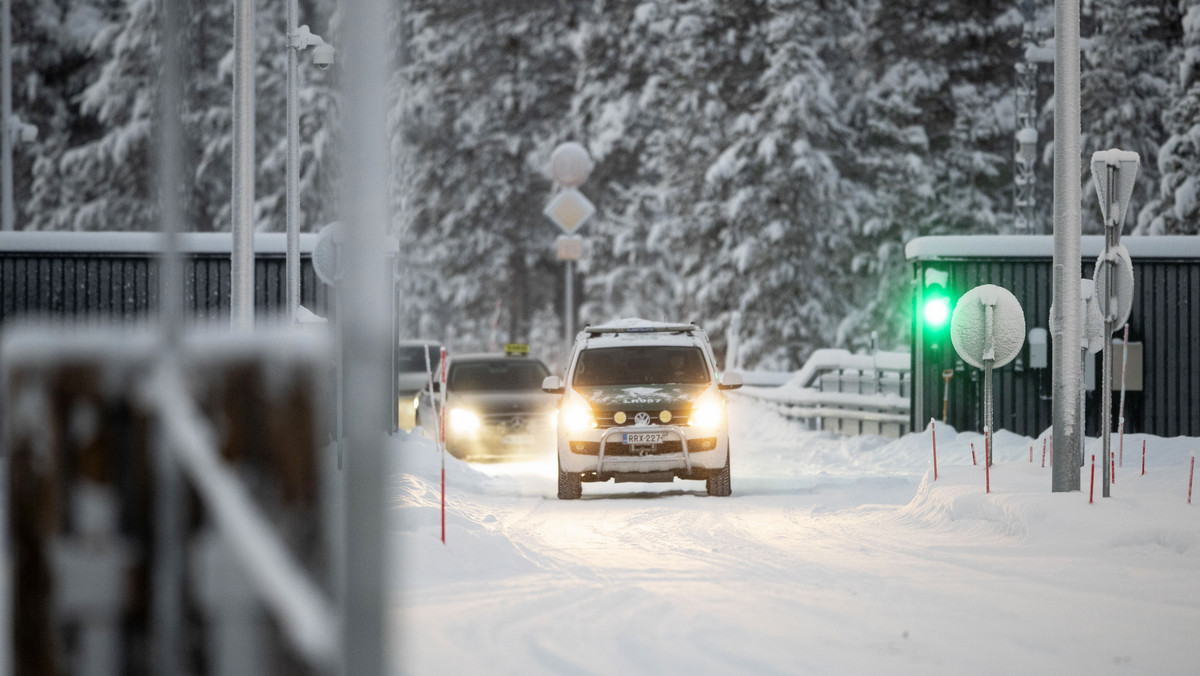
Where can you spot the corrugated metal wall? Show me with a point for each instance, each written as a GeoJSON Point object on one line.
{"type": "Point", "coordinates": [1165, 319]}
{"type": "Point", "coordinates": [124, 286]}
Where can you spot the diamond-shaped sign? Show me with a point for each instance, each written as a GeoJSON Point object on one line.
{"type": "Point", "coordinates": [569, 210]}
{"type": "Point", "coordinates": [1125, 164]}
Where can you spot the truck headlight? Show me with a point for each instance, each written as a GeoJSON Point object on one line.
{"type": "Point", "coordinates": [706, 412]}
{"type": "Point", "coordinates": [463, 421]}
{"type": "Point", "coordinates": [577, 417]}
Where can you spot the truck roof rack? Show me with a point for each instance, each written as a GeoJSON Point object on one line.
{"type": "Point", "coordinates": [641, 328]}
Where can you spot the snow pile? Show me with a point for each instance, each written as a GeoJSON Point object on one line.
{"type": "Point", "coordinates": [474, 549]}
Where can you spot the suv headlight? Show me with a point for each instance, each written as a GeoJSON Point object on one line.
{"type": "Point", "coordinates": [707, 411]}
{"type": "Point", "coordinates": [463, 421]}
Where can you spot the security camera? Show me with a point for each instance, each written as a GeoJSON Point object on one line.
{"type": "Point", "coordinates": [19, 131]}
{"type": "Point", "coordinates": [323, 56]}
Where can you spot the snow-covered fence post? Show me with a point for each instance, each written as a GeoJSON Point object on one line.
{"type": "Point", "coordinates": [235, 635]}
{"type": "Point", "coordinates": [83, 416]}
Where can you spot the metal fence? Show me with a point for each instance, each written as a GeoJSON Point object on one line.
{"type": "Point", "coordinates": [114, 276]}
{"type": "Point", "coordinates": [846, 393]}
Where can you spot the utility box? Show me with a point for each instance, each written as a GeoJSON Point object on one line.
{"type": "Point", "coordinates": [1163, 370]}
{"type": "Point", "coordinates": [1132, 366]}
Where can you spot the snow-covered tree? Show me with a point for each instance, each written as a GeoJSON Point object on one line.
{"type": "Point", "coordinates": [1124, 88]}
{"type": "Point", "coordinates": [484, 92]}
{"type": "Point", "coordinates": [101, 176]}
{"type": "Point", "coordinates": [1176, 208]}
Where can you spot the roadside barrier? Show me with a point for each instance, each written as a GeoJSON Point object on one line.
{"type": "Point", "coordinates": [846, 393]}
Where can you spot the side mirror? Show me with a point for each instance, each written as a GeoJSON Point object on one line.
{"type": "Point", "coordinates": [552, 385]}
{"type": "Point", "coordinates": [730, 380]}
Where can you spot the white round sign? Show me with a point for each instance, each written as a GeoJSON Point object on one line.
{"type": "Point", "coordinates": [979, 338]}
{"type": "Point", "coordinates": [570, 164]}
{"type": "Point", "coordinates": [327, 252]}
{"type": "Point", "coordinates": [1123, 286]}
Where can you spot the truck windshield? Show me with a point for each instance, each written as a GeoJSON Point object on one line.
{"type": "Point", "coordinates": [641, 365]}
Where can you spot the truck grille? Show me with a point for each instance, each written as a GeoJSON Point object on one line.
{"type": "Point", "coordinates": [604, 419]}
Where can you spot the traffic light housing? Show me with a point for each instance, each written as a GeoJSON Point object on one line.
{"type": "Point", "coordinates": [936, 304]}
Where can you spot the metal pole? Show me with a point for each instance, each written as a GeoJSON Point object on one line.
{"type": "Point", "coordinates": [1109, 307]}
{"type": "Point", "coordinates": [169, 532]}
{"type": "Point", "coordinates": [569, 317]}
{"type": "Point", "coordinates": [6, 126]}
{"type": "Point", "coordinates": [1066, 324]}
{"type": "Point", "coordinates": [367, 330]}
{"type": "Point", "coordinates": [987, 406]}
{"type": "Point", "coordinates": [293, 166]}
{"type": "Point", "coordinates": [242, 253]}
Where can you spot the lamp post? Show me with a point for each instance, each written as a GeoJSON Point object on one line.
{"type": "Point", "coordinates": [12, 128]}
{"type": "Point", "coordinates": [6, 143]}
{"type": "Point", "coordinates": [298, 39]}
{"type": "Point", "coordinates": [241, 285]}
{"type": "Point", "coordinates": [1026, 219]}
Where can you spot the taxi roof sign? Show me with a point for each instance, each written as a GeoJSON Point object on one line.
{"type": "Point", "coordinates": [516, 350]}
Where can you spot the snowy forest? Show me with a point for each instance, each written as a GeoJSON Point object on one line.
{"type": "Point", "coordinates": [764, 157]}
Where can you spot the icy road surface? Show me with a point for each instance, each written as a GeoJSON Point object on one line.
{"type": "Point", "coordinates": [834, 556]}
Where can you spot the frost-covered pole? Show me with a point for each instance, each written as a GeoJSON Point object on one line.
{"type": "Point", "coordinates": [1066, 321]}
{"type": "Point", "coordinates": [367, 333]}
{"type": "Point", "coordinates": [242, 258]}
{"type": "Point", "coordinates": [167, 613]}
{"type": "Point", "coordinates": [293, 166]}
{"type": "Point", "coordinates": [6, 142]}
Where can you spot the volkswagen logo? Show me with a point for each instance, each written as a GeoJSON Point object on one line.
{"type": "Point", "coordinates": [642, 418]}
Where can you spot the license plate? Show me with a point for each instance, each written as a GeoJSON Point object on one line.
{"type": "Point", "coordinates": [517, 439]}
{"type": "Point", "coordinates": [642, 437]}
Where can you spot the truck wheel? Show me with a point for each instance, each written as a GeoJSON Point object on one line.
{"type": "Point", "coordinates": [570, 485]}
{"type": "Point", "coordinates": [716, 484]}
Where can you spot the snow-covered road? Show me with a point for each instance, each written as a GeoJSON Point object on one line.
{"type": "Point", "coordinates": [834, 556]}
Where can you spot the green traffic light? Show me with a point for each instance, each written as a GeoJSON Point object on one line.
{"type": "Point", "coordinates": [937, 312]}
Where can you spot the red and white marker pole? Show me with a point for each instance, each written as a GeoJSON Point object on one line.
{"type": "Point", "coordinates": [1191, 473]}
{"type": "Point", "coordinates": [1043, 452]}
{"type": "Point", "coordinates": [1143, 457]}
{"type": "Point", "coordinates": [973, 454]}
{"type": "Point", "coordinates": [1092, 490]}
{"type": "Point", "coordinates": [442, 435]}
{"type": "Point", "coordinates": [933, 434]}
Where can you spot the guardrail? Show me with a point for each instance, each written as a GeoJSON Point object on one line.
{"type": "Point", "coordinates": [850, 394]}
